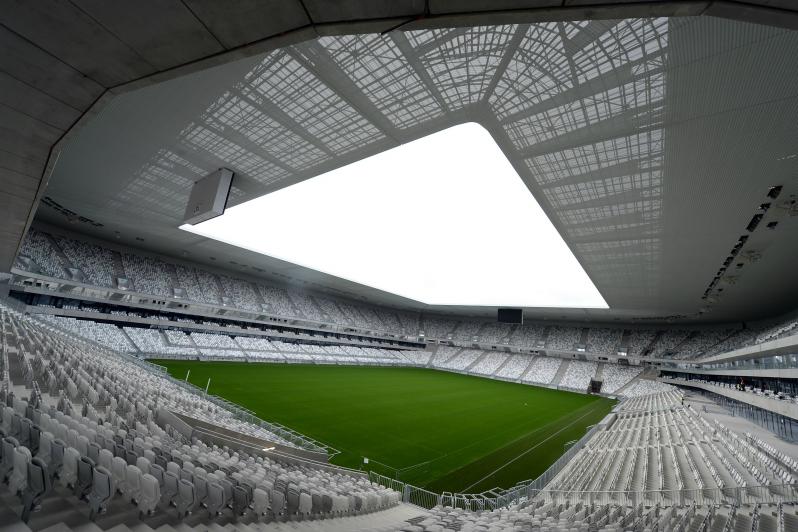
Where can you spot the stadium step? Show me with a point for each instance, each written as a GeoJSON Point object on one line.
{"type": "Point", "coordinates": [599, 372]}
{"type": "Point", "coordinates": [452, 357]}
{"type": "Point", "coordinates": [623, 388]}
{"type": "Point", "coordinates": [528, 368]}
{"type": "Point", "coordinates": [477, 361]}
{"type": "Point", "coordinates": [650, 373]}
{"type": "Point", "coordinates": [501, 367]}
{"type": "Point", "coordinates": [560, 373]}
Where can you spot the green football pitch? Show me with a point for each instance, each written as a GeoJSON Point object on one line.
{"type": "Point", "coordinates": [438, 430]}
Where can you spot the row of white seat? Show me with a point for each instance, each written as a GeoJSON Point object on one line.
{"type": "Point", "coordinates": [176, 344]}
{"type": "Point", "coordinates": [101, 455]}
{"type": "Point", "coordinates": [160, 277]}
{"type": "Point", "coordinates": [666, 451]}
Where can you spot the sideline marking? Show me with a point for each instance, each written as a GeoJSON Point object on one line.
{"type": "Point", "coordinates": [503, 444]}
{"type": "Point", "coordinates": [495, 450]}
{"type": "Point", "coordinates": [465, 490]}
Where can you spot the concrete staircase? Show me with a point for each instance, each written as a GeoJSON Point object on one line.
{"type": "Point", "coordinates": [60, 252]}
{"type": "Point", "coordinates": [118, 266]}
{"type": "Point", "coordinates": [623, 388]}
{"type": "Point", "coordinates": [501, 366]}
{"type": "Point", "coordinates": [650, 373]}
{"type": "Point", "coordinates": [599, 372]}
{"type": "Point", "coordinates": [528, 368]}
{"type": "Point", "coordinates": [127, 337]}
{"type": "Point", "coordinates": [477, 361]}
{"type": "Point", "coordinates": [442, 358]}
{"type": "Point", "coordinates": [544, 338]}
{"type": "Point", "coordinates": [560, 373]}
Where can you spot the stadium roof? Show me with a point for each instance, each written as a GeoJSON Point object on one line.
{"type": "Point", "coordinates": [367, 222]}
{"type": "Point", "coordinates": [649, 142]}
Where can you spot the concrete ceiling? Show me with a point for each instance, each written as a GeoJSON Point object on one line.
{"type": "Point", "coordinates": [696, 114]}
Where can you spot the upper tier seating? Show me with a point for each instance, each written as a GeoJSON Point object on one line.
{"type": "Point", "coordinates": [495, 333]}
{"type": "Point", "coordinates": [466, 331]}
{"type": "Point", "coordinates": [241, 292]}
{"type": "Point", "coordinates": [527, 335]}
{"type": "Point", "coordinates": [667, 342]}
{"type": "Point", "coordinates": [278, 301]}
{"type": "Point", "coordinates": [777, 331]}
{"type": "Point", "coordinates": [740, 338]}
{"type": "Point", "coordinates": [563, 338]}
{"type": "Point", "coordinates": [94, 261]}
{"type": "Point", "coordinates": [639, 341]}
{"type": "Point", "coordinates": [148, 275]}
{"type": "Point", "coordinates": [38, 248]}
{"type": "Point", "coordinates": [439, 328]}
{"type": "Point", "coordinates": [166, 278]}
{"type": "Point", "coordinates": [197, 285]}
{"type": "Point", "coordinates": [603, 341]}
{"type": "Point", "coordinates": [700, 342]}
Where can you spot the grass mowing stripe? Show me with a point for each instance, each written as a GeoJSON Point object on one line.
{"type": "Point", "coordinates": [446, 430]}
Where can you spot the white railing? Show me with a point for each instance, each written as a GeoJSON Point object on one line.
{"type": "Point", "coordinates": [536, 489]}
{"type": "Point", "coordinates": [491, 500]}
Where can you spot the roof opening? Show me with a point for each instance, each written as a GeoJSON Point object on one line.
{"type": "Point", "coordinates": [373, 222]}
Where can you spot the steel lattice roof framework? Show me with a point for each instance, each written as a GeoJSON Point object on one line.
{"type": "Point", "coordinates": [582, 109]}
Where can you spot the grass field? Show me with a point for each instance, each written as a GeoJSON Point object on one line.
{"type": "Point", "coordinates": [443, 431]}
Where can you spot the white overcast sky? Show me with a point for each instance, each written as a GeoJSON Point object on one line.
{"type": "Point", "coordinates": [444, 220]}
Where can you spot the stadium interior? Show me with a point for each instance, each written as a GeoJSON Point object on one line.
{"type": "Point", "coordinates": [399, 266]}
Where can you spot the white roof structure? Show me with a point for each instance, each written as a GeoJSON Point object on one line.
{"type": "Point", "coordinates": [649, 142]}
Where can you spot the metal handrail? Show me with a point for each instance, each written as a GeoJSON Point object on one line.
{"type": "Point", "coordinates": [738, 495]}
{"type": "Point", "coordinates": [535, 488]}
{"type": "Point", "coordinates": [497, 497]}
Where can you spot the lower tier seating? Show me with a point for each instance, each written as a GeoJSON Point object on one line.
{"type": "Point", "coordinates": [89, 429]}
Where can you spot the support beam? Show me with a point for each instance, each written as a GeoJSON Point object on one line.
{"type": "Point", "coordinates": [625, 168]}
{"type": "Point", "coordinates": [283, 118]}
{"type": "Point", "coordinates": [401, 42]}
{"type": "Point", "coordinates": [604, 82]}
{"type": "Point", "coordinates": [315, 58]}
{"type": "Point", "coordinates": [626, 124]}
{"type": "Point", "coordinates": [509, 52]}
